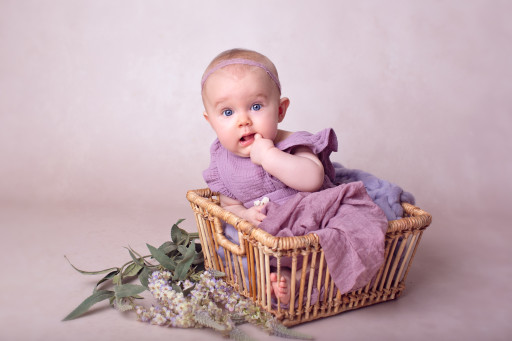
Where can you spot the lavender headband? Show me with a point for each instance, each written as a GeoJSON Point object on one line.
{"type": "Point", "coordinates": [227, 62]}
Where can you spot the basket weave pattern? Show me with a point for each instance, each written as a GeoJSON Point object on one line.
{"type": "Point", "coordinates": [262, 254]}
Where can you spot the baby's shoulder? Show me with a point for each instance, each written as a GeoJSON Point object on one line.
{"type": "Point", "coordinates": [282, 135]}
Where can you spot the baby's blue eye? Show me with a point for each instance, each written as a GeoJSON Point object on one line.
{"type": "Point", "coordinates": [256, 107]}
{"type": "Point", "coordinates": [227, 112]}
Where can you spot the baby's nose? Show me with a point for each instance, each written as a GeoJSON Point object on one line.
{"type": "Point", "coordinates": [244, 119]}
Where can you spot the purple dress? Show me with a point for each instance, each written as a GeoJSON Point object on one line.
{"type": "Point", "coordinates": [351, 227]}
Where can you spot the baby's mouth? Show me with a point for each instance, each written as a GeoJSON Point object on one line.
{"type": "Point", "coordinates": [247, 139]}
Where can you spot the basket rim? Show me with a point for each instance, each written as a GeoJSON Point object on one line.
{"type": "Point", "coordinates": [206, 199]}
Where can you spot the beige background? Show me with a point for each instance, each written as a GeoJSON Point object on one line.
{"type": "Point", "coordinates": [101, 135]}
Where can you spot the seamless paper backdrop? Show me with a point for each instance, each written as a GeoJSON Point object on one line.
{"type": "Point", "coordinates": [100, 100]}
{"type": "Point", "coordinates": [102, 133]}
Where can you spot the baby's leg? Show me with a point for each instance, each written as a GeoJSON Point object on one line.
{"type": "Point", "coordinates": [281, 288]}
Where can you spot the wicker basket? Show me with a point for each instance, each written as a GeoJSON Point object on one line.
{"type": "Point", "coordinates": [258, 250]}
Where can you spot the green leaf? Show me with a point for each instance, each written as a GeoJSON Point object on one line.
{"type": "Point", "coordinates": [117, 279]}
{"type": "Point", "coordinates": [96, 297]}
{"type": "Point", "coordinates": [176, 287]}
{"type": "Point", "coordinates": [182, 249]}
{"type": "Point", "coordinates": [162, 258]}
{"type": "Point", "coordinates": [139, 260]}
{"type": "Point", "coordinates": [127, 290]}
{"type": "Point", "coordinates": [179, 235]}
{"type": "Point", "coordinates": [110, 275]}
{"type": "Point", "coordinates": [179, 221]}
{"type": "Point", "coordinates": [184, 265]}
{"type": "Point", "coordinates": [132, 270]}
{"type": "Point", "coordinates": [168, 247]}
{"type": "Point", "coordinates": [91, 272]}
{"type": "Point", "coordinates": [144, 276]}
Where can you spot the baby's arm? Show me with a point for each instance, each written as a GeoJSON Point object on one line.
{"type": "Point", "coordinates": [252, 215]}
{"type": "Point", "coordinates": [301, 170]}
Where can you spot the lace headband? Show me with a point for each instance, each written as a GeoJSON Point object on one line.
{"type": "Point", "coordinates": [227, 62]}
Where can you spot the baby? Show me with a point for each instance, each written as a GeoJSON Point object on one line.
{"type": "Point", "coordinates": [252, 159]}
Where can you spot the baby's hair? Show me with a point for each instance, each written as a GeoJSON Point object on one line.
{"type": "Point", "coordinates": [247, 57]}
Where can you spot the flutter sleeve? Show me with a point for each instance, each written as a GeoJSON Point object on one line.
{"type": "Point", "coordinates": [322, 144]}
{"type": "Point", "coordinates": [212, 175]}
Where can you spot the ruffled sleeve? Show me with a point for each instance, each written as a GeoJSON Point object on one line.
{"type": "Point", "coordinates": [212, 175]}
{"type": "Point", "coordinates": [322, 144]}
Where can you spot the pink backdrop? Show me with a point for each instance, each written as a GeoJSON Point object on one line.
{"type": "Point", "coordinates": [102, 134]}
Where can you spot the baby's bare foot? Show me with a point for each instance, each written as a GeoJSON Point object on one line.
{"type": "Point", "coordinates": [281, 288]}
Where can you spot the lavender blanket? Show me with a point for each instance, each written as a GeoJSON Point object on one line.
{"type": "Point", "coordinates": [385, 194]}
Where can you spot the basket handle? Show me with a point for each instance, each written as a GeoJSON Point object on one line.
{"type": "Point", "coordinates": [238, 250]}
{"type": "Point", "coordinates": [416, 219]}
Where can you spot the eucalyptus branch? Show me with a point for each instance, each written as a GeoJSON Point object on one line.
{"type": "Point", "coordinates": [178, 281]}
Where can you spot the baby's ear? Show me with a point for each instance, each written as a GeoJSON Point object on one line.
{"type": "Point", "coordinates": [205, 115]}
{"type": "Point", "coordinates": [283, 107]}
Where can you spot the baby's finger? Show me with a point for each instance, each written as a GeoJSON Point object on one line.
{"type": "Point", "coordinates": [259, 208]}
{"type": "Point", "coordinates": [257, 136]}
{"type": "Point", "coordinates": [261, 216]}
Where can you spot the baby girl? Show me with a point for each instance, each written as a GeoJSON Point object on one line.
{"type": "Point", "coordinates": [252, 158]}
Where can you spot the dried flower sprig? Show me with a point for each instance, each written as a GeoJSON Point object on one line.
{"type": "Point", "coordinates": [187, 296]}
{"type": "Point", "coordinates": [211, 303]}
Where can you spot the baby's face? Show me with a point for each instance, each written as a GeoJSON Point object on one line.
{"type": "Point", "coordinates": [239, 103]}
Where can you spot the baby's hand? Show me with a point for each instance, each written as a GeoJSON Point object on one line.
{"type": "Point", "coordinates": [254, 215]}
{"type": "Point", "coordinates": [259, 148]}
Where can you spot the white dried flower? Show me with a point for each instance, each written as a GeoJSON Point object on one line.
{"type": "Point", "coordinates": [263, 201]}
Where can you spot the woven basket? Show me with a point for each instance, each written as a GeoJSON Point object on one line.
{"type": "Point", "coordinates": [248, 265]}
